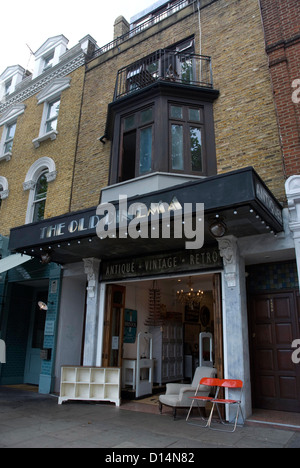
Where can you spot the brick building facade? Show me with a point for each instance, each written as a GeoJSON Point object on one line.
{"type": "Point", "coordinates": [239, 69]}
{"type": "Point", "coordinates": [178, 109]}
{"type": "Point", "coordinates": [282, 37]}
{"type": "Point", "coordinates": [39, 121]}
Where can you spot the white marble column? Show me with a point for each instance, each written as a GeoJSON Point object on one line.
{"type": "Point", "coordinates": [292, 188]}
{"type": "Point", "coordinates": [235, 320]}
{"type": "Point", "coordinates": [91, 268]}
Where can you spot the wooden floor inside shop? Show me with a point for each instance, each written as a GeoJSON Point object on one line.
{"type": "Point", "coordinates": [145, 404]}
{"type": "Point", "coordinates": [24, 387]}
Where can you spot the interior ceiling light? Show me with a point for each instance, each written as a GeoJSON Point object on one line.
{"type": "Point", "coordinates": [190, 297]}
{"type": "Point", "coordinates": [42, 305]}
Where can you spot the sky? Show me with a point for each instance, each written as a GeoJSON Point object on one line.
{"type": "Point", "coordinates": [31, 22]}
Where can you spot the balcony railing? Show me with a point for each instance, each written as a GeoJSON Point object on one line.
{"type": "Point", "coordinates": [164, 65]}
{"type": "Point", "coordinates": [143, 25]}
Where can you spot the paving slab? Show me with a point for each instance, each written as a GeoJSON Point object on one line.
{"type": "Point", "coordinates": [30, 420]}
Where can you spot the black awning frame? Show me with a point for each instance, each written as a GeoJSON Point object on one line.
{"type": "Point", "coordinates": [222, 195]}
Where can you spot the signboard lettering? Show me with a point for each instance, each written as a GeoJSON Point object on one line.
{"type": "Point", "coordinates": [205, 259]}
{"type": "Point", "coordinates": [75, 225]}
{"type": "Point", "coordinates": [268, 202]}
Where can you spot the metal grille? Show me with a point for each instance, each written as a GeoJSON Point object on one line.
{"type": "Point", "coordinates": [171, 66]}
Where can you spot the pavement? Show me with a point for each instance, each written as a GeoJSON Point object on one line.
{"type": "Point", "coordinates": [31, 420]}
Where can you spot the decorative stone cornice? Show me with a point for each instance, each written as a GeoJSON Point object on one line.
{"type": "Point", "coordinates": [4, 184]}
{"type": "Point", "coordinates": [34, 86]}
{"type": "Point", "coordinates": [29, 185]}
{"type": "Point", "coordinates": [292, 188]}
{"type": "Point", "coordinates": [229, 252]}
{"type": "Point", "coordinates": [12, 113]}
{"type": "Point", "coordinates": [91, 269]}
{"type": "Point", "coordinates": [4, 194]}
{"type": "Point", "coordinates": [51, 176]}
{"type": "Point", "coordinates": [6, 156]}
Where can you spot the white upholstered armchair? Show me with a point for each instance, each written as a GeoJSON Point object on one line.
{"type": "Point", "coordinates": [177, 395]}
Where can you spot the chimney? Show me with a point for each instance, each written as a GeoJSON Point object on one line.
{"type": "Point", "coordinates": [121, 27]}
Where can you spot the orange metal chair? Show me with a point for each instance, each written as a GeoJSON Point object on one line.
{"type": "Point", "coordinates": [205, 382]}
{"type": "Point", "coordinates": [227, 384]}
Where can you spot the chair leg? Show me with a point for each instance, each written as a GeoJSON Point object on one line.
{"type": "Point", "coordinates": [174, 413]}
{"type": "Point", "coordinates": [210, 416]}
{"type": "Point", "coordinates": [191, 407]}
{"type": "Point", "coordinates": [160, 408]}
{"type": "Point", "coordinates": [202, 414]}
{"type": "Point", "coordinates": [233, 425]}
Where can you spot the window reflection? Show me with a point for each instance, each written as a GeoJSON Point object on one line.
{"type": "Point", "coordinates": [40, 198]}
{"type": "Point", "coordinates": [52, 116]}
{"type": "Point", "coordinates": [177, 147]}
{"type": "Point", "coordinates": [145, 150]}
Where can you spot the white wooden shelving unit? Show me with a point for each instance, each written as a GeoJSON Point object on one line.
{"type": "Point", "coordinates": [168, 352]}
{"type": "Point", "coordinates": [90, 383]}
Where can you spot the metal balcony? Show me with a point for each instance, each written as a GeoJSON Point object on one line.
{"type": "Point", "coordinates": [164, 65]}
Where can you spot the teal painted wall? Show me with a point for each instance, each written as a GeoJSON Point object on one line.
{"type": "Point", "coordinates": [17, 289]}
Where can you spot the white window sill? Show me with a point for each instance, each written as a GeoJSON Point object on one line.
{"type": "Point", "coordinates": [47, 136]}
{"type": "Point", "coordinates": [6, 156]}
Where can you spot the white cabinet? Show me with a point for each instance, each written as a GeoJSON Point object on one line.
{"type": "Point", "coordinates": [168, 352]}
{"type": "Point", "coordinates": [129, 373]}
{"type": "Point", "coordinates": [144, 365]}
{"type": "Point", "coordinates": [90, 383]}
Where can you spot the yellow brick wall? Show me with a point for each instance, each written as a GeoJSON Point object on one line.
{"type": "Point", "coordinates": [62, 151]}
{"type": "Point", "coordinates": [245, 119]}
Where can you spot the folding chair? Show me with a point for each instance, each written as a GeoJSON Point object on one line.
{"type": "Point", "coordinates": [205, 382]}
{"type": "Point", "coordinates": [232, 384]}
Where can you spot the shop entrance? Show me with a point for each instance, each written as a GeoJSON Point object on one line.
{"type": "Point", "coordinates": [152, 307]}
{"type": "Point", "coordinates": [24, 332]}
{"type": "Point", "coordinates": [35, 342]}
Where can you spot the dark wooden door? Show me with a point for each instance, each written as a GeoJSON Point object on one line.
{"type": "Point", "coordinates": [274, 326]}
{"type": "Point", "coordinates": [114, 326]}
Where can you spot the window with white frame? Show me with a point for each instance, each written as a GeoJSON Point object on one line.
{"type": "Point", "coordinates": [9, 123]}
{"type": "Point", "coordinates": [51, 98]}
{"type": "Point", "coordinates": [9, 137]}
{"type": "Point", "coordinates": [48, 61]}
{"type": "Point", "coordinates": [40, 174]}
{"type": "Point", "coordinates": [3, 189]}
{"type": "Point", "coordinates": [7, 87]}
{"type": "Point", "coordinates": [52, 116]}
{"type": "Point", "coordinates": [9, 79]}
{"type": "Point", "coordinates": [49, 54]}
{"type": "Point", "coordinates": [40, 196]}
